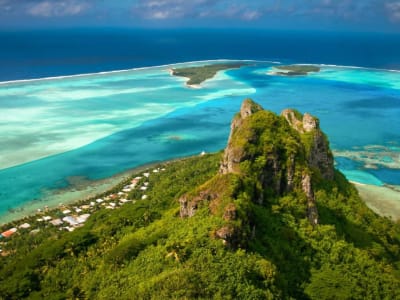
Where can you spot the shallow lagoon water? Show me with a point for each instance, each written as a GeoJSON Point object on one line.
{"type": "Point", "coordinates": [96, 126]}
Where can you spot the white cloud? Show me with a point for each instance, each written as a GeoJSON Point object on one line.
{"type": "Point", "coordinates": [200, 9]}
{"type": "Point", "coordinates": [251, 15]}
{"type": "Point", "coordinates": [57, 8]}
{"type": "Point", "coordinates": [393, 9]}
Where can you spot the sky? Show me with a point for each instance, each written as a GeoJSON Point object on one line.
{"type": "Point", "coordinates": [344, 15]}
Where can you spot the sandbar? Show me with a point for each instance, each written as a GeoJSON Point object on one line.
{"type": "Point", "coordinates": [383, 200]}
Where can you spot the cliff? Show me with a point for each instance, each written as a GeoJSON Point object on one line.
{"type": "Point", "coordinates": [278, 154]}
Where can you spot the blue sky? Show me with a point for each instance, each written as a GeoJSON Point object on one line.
{"type": "Point", "coordinates": [360, 15]}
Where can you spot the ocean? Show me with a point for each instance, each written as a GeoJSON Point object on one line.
{"type": "Point", "coordinates": [59, 133]}
{"type": "Point", "coordinates": [48, 53]}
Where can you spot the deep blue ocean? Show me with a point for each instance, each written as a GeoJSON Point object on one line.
{"type": "Point", "coordinates": [48, 53]}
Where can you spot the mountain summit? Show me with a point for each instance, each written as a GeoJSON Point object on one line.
{"type": "Point", "coordinates": [279, 155]}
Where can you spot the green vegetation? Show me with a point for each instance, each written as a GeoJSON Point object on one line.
{"type": "Point", "coordinates": [235, 246]}
{"type": "Point", "coordinates": [296, 70]}
{"type": "Point", "coordinates": [199, 74]}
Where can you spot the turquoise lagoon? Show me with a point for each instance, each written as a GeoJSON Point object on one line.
{"type": "Point", "coordinates": [55, 130]}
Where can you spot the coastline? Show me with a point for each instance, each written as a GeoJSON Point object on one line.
{"type": "Point", "coordinates": [184, 63]}
{"type": "Point", "coordinates": [186, 79]}
{"type": "Point", "coordinates": [124, 70]}
{"type": "Point", "coordinates": [80, 189]}
{"type": "Point", "coordinates": [383, 200]}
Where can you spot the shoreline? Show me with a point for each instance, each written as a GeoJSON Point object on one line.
{"type": "Point", "coordinates": [59, 77]}
{"type": "Point", "coordinates": [124, 70]}
{"type": "Point", "coordinates": [81, 189]}
{"type": "Point", "coordinates": [383, 200]}
{"type": "Point", "coordinates": [190, 86]}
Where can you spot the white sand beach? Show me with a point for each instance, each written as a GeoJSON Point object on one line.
{"type": "Point", "coordinates": [383, 200]}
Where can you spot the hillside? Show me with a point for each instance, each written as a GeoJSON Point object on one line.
{"type": "Point", "coordinates": [269, 217]}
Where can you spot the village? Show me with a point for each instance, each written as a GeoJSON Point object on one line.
{"type": "Point", "coordinates": [71, 217]}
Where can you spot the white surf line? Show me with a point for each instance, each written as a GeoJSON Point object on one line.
{"type": "Point", "coordinates": [119, 71]}
{"type": "Point", "coordinates": [136, 69]}
{"type": "Point", "coordinates": [184, 63]}
{"type": "Point", "coordinates": [348, 67]}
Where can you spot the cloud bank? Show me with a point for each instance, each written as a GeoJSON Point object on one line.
{"type": "Point", "coordinates": [57, 8]}
{"type": "Point", "coordinates": [208, 12]}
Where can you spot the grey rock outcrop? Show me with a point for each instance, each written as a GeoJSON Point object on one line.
{"type": "Point", "coordinates": [233, 154]}
{"type": "Point", "coordinates": [189, 205]}
{"type": "Point", "coordinates": [312, 212]}
{"type": "Point", "coordinates": [319, 155]}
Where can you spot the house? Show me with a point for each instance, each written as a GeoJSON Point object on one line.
{"type": "Point", "coordinates": [56, 222]}
{"type": "Point", "coordinates": [9, 232]}
{"type": "Point", "coordinates": [99, 200]}
{"type": "Point", "coordinates": [47, 218]}
{"type": "Point", "coordinates": [144, 197]}
{"type": "Point", "coordinates": [34, 231]}
{"type": "Point", "coordinates": [70, 220]}
{"type": "Point", "coordinates": [82, 218]}
{"type": "Point", "coordinates": [66, 212]}
{"type": "Point", "coordinates": [24, 226]}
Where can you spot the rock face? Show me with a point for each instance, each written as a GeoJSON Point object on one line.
{"type": "Point", "coordinates": [189, 205]}
{"type": "Point", "coordinates": [312, 212]}
{"type": "Point", "coordinates": [277, 154]}
{"type": "Point", "coordinates": [319, 154]}
{"type": "Point", "coordinates": [233, 155]}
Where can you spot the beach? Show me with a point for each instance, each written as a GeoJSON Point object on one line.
{"type": "Point", "coordinates": [80, 188]}
{"type": "Point", "coordinates": [383, 200]}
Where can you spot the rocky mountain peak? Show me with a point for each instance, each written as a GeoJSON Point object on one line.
{"type": "Point", "coordinates": [278, 155]}
{"type": "Point", "coordinates": [319, 156]}
{"type": "Point", "coordinates": [248, 108]}
{"type": "Point", "coordinates": [301, 123]}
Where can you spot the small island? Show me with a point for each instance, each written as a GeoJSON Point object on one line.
{"type": "Point", "coordinates": [197, 75]}
{"type": "Point", "coordinates": [294, 70]}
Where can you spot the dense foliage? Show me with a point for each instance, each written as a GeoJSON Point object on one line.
{"type": "Point", "coordinates": [297, 69]}
{"type": "Point", "coordinates": [145, 250]}
{"type": "Point", "coordinates": [199, 74]}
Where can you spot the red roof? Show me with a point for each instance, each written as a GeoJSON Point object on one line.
{"type": "Point", "coordinates": [9, 232]}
